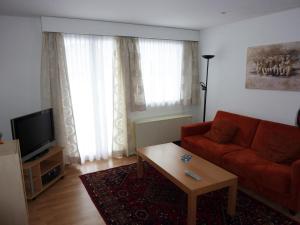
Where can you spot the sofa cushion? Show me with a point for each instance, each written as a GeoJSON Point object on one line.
{"type": "Point", "coordinates": [222, 131]}
{"type": "Point", "coordinates": [246, 127]}
{"type": "Point", "coordinates": [277, 142]}
{"type": "Point", "coordinates": [247, 164]}
{"type": "Point", "coordinates": [208, 149]}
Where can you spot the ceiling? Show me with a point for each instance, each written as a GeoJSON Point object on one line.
{"type": "Point", "coordinates": [190, 14]}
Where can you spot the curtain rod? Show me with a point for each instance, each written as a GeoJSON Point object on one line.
{"type": "Point", "coordinates": [103, 35]}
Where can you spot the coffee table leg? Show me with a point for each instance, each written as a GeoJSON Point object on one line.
{"type": "Point", "coordinates": [192, 209]}
{"type": "Point", "coordinates": [232, 192]}
{"type": "Point", "coordinates": [140, 167]}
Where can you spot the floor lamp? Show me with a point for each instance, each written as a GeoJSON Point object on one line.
{"type": "Point", "coordinates": [204, 86]}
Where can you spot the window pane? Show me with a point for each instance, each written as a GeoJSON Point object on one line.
{"type": "Point", "coordinates": [90, 65]}
{"type": "Point", "coordinates": [161, 62]}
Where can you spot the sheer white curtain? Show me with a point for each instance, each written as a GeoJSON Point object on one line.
{"type": "Point", "coordinates": [161, 66]}
{"type": "Point", "coordinates": [90, 69]}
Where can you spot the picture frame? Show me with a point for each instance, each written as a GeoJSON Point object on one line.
{"type": "Point", "coordinates": [274, 67]}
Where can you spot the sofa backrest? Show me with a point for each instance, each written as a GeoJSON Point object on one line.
{"type": "Point", "coordinates": [247, 127]}
{"type": "Point", "coordinates": [267, 131]}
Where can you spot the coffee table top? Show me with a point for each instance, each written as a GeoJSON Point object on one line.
{"type": "Point", "coordinates": [166, 158]}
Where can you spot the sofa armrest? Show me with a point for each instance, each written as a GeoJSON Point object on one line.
{"type": "Point", "coordinates": [195, 129]}
{"type": "Point", "coordinates": [296, 181]}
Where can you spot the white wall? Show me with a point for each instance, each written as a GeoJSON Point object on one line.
{"type": "Point", "coordinates": [227, 73]}
{"type": "Point", "coordinates": [20, 54]}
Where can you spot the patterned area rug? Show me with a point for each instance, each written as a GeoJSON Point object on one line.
{"type": "Point", "coordinates": [123, 199]}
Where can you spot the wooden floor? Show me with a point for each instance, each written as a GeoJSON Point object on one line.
{"type": "Point", "coordinates": [67, 202]}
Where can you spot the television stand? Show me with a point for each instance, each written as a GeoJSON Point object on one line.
{"type": "Point", "coordinates": [43, 172]}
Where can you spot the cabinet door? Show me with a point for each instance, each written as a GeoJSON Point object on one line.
{"type": "Point", "coordinates": [13, 208]}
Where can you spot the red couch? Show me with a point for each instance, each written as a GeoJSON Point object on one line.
{"type": "Point", "coordinates": [277, 182]}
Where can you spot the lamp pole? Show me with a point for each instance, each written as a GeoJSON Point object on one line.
{"type": "Point", "coordinates": [204, 86]}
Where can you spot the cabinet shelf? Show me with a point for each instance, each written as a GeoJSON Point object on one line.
{"type": "Point", "coordinates": [48, 166]}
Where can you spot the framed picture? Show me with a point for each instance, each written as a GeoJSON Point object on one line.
{"type": "Point", "coordinates": [274, 67]}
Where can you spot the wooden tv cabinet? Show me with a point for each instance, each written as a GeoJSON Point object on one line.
{"type": "Point", "coordinates": [43, 172]}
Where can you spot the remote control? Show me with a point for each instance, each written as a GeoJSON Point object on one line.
{"type": "Point", "coordinates": [192, 174]}
{"type": "Point", "coordinates": [186, 158]}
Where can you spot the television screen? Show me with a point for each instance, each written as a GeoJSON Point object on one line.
{"type": "Point", "coordinates": [35, 132]}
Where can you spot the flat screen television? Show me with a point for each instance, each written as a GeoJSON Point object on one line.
{"type": "Point", "coordinates": [35, 133]}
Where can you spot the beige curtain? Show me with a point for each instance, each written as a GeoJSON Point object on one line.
{"type": "Point", "coordinates": [120, 121]}
{"type": "Point", "coordinates": [129, 57]}
{"type": "Point", "coordinates": [190, 74]}
{"type": "Point", "coordinates": [128, 93]}
{"type": "Point", "coordinates": [55, 93]}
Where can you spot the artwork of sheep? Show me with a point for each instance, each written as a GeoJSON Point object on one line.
{"type": "Point", "coordinates": [278, 65]}
{"type": "Point", "coordinates": [274, 67]}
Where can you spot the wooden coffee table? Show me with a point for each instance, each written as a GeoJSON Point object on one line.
{"type": "Point", "coordinates": [166, 158]}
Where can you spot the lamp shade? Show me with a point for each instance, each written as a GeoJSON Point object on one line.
{"type": "Point", "coordinates": [208, 56]}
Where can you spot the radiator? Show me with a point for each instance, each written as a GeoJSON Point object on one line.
{"type": "Point", "coordinates": [153, 131]}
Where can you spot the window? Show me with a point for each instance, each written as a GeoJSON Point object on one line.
{"type": "Point", "coordinates": [161, 62]}
{"type": "Point", "coordinates": [90, 69]}
{"type": "Point", "coordinates": [96, 75]}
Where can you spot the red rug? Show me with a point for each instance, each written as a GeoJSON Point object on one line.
{"type": "Point", "coordinates": [123, 199]}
